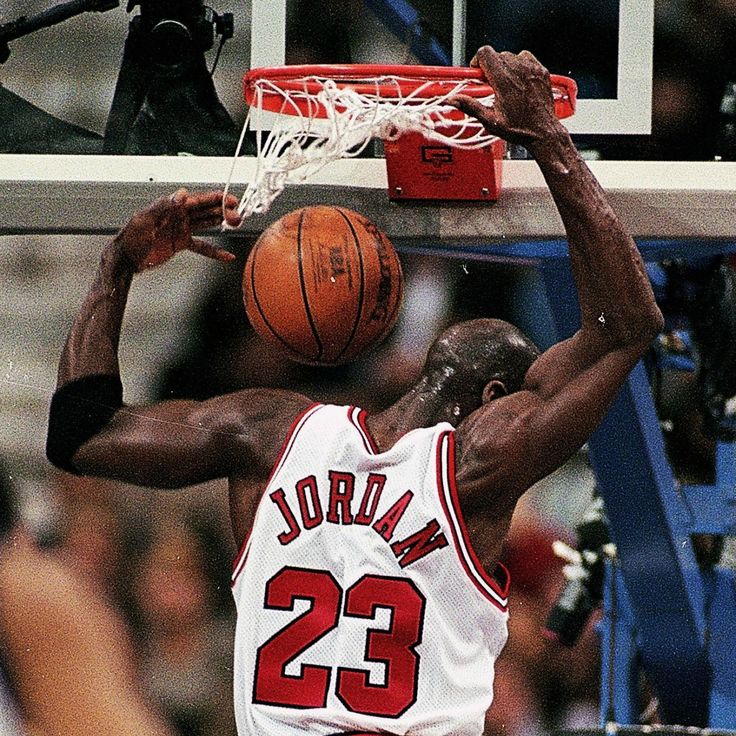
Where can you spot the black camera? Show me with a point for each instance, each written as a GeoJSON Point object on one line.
{"type": "Point", "coordinates": [584, 573]}
{"type": "Point", "coordinates": [176, 28]}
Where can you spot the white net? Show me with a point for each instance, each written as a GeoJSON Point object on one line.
{"type": "Point", "coordinates": [300, 143]}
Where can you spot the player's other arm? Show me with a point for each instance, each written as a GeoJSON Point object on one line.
{"type": "Point", "coordinates": [567, 391]}
{"type": "Point", "coordinates": [167, 444]}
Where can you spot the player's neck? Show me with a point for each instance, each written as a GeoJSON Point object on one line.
{"type": "Point", "coordinates": [419, 407]}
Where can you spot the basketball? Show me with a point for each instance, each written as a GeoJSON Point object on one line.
{"type": "Point", "coordinates": [323, 284]}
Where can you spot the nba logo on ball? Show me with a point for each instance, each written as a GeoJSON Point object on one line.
{"type": "Point", "coordinates": [323, 284]}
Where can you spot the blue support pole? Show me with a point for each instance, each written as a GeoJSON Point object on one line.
{"type": "Point", "coordinates": [649, 527]}
{"type": "Point", "coordinates": [721, 649]}
{"type": "Point", "coordinates": [712, 508]}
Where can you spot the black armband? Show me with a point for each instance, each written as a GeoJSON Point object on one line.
{"type": "Point", "coordinates": [79, 410]}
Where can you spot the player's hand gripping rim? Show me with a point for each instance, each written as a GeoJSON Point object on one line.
{"type": "Point", "coordinates": [523, 110]}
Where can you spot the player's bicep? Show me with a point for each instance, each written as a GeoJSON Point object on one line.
{"type": "Point", "coordinates": [169, 444]}
{"type": "Point", "coordinates": [561, 422]}
{"type": "Point", "coordinates": [515, 441]}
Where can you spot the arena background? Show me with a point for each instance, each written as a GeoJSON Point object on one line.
{"type": "Point", "coordinates": [163, 558]}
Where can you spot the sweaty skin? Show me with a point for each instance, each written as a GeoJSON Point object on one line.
{"type": "Point", "coordinates": [505, 442]}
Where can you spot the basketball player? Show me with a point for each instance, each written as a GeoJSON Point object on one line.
{"type": "Point", "coordinates": [362, 604]}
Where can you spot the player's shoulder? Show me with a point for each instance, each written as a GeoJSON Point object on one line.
{"type": "Point", "coordinates": [253, 421]}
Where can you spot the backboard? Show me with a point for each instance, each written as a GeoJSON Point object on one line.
{"type": "Point", "coordinates": [607, 47]}
{"type": "Point", "coordinates": [53, 70]}
{"type": "Point", "coordinates": [608, 51]}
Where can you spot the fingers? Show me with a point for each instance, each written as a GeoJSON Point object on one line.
{"type": "Point", "coordinates": [490, 61]}
{"type": "Point", "coordinates": [497, 64]}
{"type": "Point", "coordinates": [200, 201]}
{"type": "Point", "coordinates": [231, 216]}
{"type": "Point", "coordinates": [229, 211]}
{"type": "Point", "coordinates": [210, 250]}
{"type": "Point", "coordinates": [179, 196]}
{"type": "Point", "coordinates": [204, 211]}
{"type": "Point", "coordinates": [476, 109]}
{"type": "Point", "coordinates": [469, 105]}
{"type": "Point", "coordinates": [207, 209]}
{"type": "Point", "coordinates": [530, 56]}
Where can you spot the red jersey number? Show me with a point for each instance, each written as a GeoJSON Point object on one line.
{"type": "Point", "coordinates": [395, 647]}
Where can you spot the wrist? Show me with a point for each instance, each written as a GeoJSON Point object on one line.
{"type": "Point", "coordinates": [116, 261]}
{"type": "Point", "coordinates": [555, 146]}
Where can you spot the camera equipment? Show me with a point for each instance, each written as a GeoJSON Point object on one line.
{"type": "Point", "coordinates": [584, 573]}
{"type": "Point", "coordinates": [726, 138]}
{"type": "Point", "coordinates": [165, 102]}
{"type": "Point", "coordinates": [174, 28]}
{"type": "Point", "coordinates": [27, 128]}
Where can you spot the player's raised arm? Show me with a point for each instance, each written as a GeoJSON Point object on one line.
{"type": "Point", "coordinates": [90, 429]}
{"type": "Point", "coordinates": [569, 388]}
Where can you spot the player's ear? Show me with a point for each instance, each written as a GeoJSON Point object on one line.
{"type": "Point", "coordinates": [494, 389]}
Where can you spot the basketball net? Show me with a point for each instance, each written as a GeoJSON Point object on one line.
{"type": "Point", "coordinates": [320, 120]}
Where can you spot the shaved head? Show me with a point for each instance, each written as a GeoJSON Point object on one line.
{"type": "Point", "coordinates": [466, 357]}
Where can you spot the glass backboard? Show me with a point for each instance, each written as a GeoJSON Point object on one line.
{"type": "Point", "coordinates": [83, 86]}
{"type": "Point", "coordinates": [606, 46]}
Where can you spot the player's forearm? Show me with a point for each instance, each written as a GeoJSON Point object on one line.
{"type": "Point", "coordinates": [615, 295]}
{"type": "Point", "coordinates": [92, 345]}
{"type": "Point", "coordinates": [89, 391]}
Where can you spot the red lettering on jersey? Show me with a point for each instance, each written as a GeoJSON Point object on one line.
{"type": "Point", "coordinates": [314, 517]}
{"type": "Point", "coordinates": [290, 534]}
{"type": "Point", "coordinates": [372, 495]}
{"type": "Point", "coordinates": [419, 544]}
{"type": "Point", "coordinates": [387, 523]}
{"type": "Point", "coordinates": [342, 486]}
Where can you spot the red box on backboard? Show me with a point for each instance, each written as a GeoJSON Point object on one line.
{"type": "Point", "coordinates": [419, 168]}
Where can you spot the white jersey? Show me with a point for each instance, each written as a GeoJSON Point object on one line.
{"type": "Point", "coordinates": [361, 605]}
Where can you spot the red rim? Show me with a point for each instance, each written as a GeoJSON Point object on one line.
{"type": "Point", "coordinates": [304, 78]}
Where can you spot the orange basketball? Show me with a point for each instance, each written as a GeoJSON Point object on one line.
{"type": "Point", "coordinates": [323, 284]}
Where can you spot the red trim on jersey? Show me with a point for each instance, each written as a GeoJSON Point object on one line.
{"type": "Point", "coordinates": [283, 452]}
{"type": "Point", "coordinates": [470, 562]}
{"type": "Point", "coordinates": [359, 422]}
{"type": "Point", "coordinates": [240, 559]}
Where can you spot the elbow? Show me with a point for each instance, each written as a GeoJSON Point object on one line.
{"type": "Point", "coordinates": [644, 330]}
{"type": "Point", "coordinates": [633, 333]}
{"type": "Point", "coordinates": [649, 326]}
{"type": "Point", "coordinates": [657, 323]}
